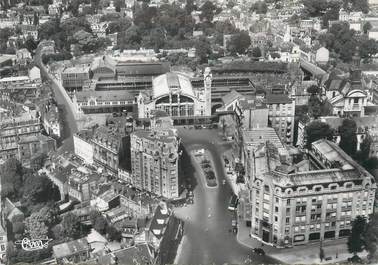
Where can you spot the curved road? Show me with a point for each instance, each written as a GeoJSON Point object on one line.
{"type": "Point", "coordinates": [69, 121]}
{"type": "Point", "coordinates": [207, 238]}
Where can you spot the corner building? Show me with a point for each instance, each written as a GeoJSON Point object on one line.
{"type": "Point", "coordinates": [154, 161]}
{"type": "Point", "coordinates": [314, 200]}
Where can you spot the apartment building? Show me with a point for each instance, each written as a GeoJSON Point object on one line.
{"type": "Point", "coordinates": [83, 145]}
{"type": "Point", "coordinates": [314, 200]}
{"type": "Point", "coordinates": [108, 148]}
{"type": "Point", "coordinates": [154, 161]}
{"type": "Point", "coordinates": [281, 115]}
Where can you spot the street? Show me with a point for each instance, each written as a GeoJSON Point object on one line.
{"type": "Point", "coordinates": [69, 122]}
{"type": "Point", "coordinates": [207, 237]}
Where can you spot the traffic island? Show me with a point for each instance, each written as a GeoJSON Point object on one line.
{"type": "Point", "coordinates": [206, 167]}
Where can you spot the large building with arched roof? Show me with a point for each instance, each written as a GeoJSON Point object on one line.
{"type": "Point", "coordinates": [174, 94]}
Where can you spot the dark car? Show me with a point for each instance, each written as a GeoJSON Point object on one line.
{"type": "Point", "coordinates": [259, 251]}
{"type": "Point", "coordinates": [355, 259]}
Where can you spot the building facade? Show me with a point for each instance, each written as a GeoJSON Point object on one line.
{"type": "Point", "coordinates": [173, 93]}
{"type": "Point", "coordinates": [281, 115]}
{"type": "Point", "coordinates": [83, 145]}
{"type": "Point", "coordinates": [154, 161]}
{"type": "Point", "coordinates": [314, 200]}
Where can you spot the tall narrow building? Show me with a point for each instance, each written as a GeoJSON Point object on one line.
{"type": "Point", "coordinates": [154, 159]}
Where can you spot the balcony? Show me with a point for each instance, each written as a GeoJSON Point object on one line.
{"type": "Point", "coordinates": [353, 107]}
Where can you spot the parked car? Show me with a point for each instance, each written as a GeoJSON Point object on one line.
{"type": "Point", "coordinates": [258, 251]}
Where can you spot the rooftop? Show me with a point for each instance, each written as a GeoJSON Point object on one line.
{"type": "Point", "coordinates": [76, 70]}
{"type": "Point", "coordinates": [71, 248]}
{"type": "Point", "coordinates": [135, 255]}
{"type": "Point", "coordinates": [256, 136]}
{"type": "Point", "coordinates": [331, 154]}
{"type": "Point", "coordinates": [230, 97]}
{"type": "Point", "coordinates": [277, 99]}
{"type": "Point", "coordinates": [111, 95]}
{"type": "Point", "coordinates": [168, 135]}
{"type": "Point", "coordinates": [170, 83]}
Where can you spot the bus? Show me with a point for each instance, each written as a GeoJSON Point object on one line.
{"type": "Point", "coordinates": [233, 205]}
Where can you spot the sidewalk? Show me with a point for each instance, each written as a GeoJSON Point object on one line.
{"type": "Point", "coordinates": [231, 178]}
{"type": "Point", "coordinates": [334, 250]}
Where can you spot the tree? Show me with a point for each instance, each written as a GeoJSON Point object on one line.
{"type": "Point", "coordinates": [131, 38]}
{"type": "Point", "coordinates": [367, 26]}
{"type": "Point", "coordinates": [190, 6]}
{"type": "Point", "coordinates": [370, 237]}
{"type": "Point", "coordinates": [208, 10]}
{"type": "Point", "coordinates": [314, 106]}
{"type": "Point", "coordinates": [113, 234]}
{"type": "Point", "coordinates": [93, 215]}
{"type": "Point", "coordinates": [364, 153]}
{"type": "Point", "coordinates": [71, 226]}
{"type": "Point", "coordinates": [30, 44]}
{"type": "Point", "coordinates": [314, 8]}
{"type": "Point", "coordinates": [256, 52]}
{"type": "Point", "coordinates": [356, 5]}
{"type": "Point", "coordinates": [259, 7]}
{"type": "Point", "coordinates": [35, 227]}
{"type": "Point", "coordinates": [371, 164]}
{"type": "Point", "coordinates": [317, 130]}
{"type": "Point", "coordinates": [11, 178]}
{"type": "Point", "coordinates": [57, 232]}
{"type": "Point", "coordinates": [348, 141]}
{"type": "Point", "coordinates": [239, 43]}
{"type": "Point", "coordinates": [37, 189]}
{"type": "Point", "coordinates": [313, 90]}
{"type": "Point", "coordinates": [355, 240]}
{"type": "Point", "coordinates": [203, 49]}
{"type": "Point", "coordinates": [367, 48]}
{"type": "Point", "coordinates": [100, 224]}
{"type": "Point", "coordinates": [341, 40]}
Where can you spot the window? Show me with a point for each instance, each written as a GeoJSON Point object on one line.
{"type": "Point", "coordinates": [288, 201]}
{"type": "Point", "coordinates": [276, 209]}
{"type": "Point", "coordinates": [275, 218]}
{"type": "Point", "coordinates": [266, 188]}
{"type": "Point", "coordinates": [287, 220]}
{"type": "Point", "coordinates": [287, 211]}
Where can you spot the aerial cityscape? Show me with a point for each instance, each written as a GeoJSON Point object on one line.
{"type": "Point", "coordinates": [188, 132]}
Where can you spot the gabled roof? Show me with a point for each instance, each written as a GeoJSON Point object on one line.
{"type": "Point", "coordinates": [159, 221]}
{"type": "Point", "coordinates": [230, 97]}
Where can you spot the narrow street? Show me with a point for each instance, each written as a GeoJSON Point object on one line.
{"type": "Point", "coordinates": [207, 237]}
{"type": "Point", "coordinates": [70, 125]}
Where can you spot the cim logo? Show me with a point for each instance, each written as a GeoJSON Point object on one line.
{"type": "Point", "coordinates": [33, 244]}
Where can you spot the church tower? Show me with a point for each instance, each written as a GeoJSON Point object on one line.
{"type": "Point", "coordinates": [207, 79]}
